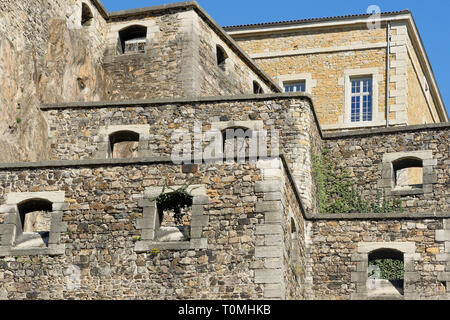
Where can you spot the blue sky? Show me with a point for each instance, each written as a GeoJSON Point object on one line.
{"type": "Point", "coordinates": [431, 16]}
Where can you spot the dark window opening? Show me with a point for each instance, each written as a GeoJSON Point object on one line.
{"type": "Point", "coordinates": [175, 215]}
{"type": "Point", "coordinates": [386, 273]}
{"type": "Point", "coordinates": [257, 89]}
{"type": "Point", "coordinates": [236, 140]}
{"type": "Point", "coordinates": [408, 173]}
{"type": "Point", "coordinates": [133, 39]}
{"type": "Point", "coordinates": [35, 220]}
{"type": "Point", "coordinates": [221, 57]}
{"type": "Point", "coordinates": [123, 144]}
{"type": "Point", "coordinates": [86, 15]}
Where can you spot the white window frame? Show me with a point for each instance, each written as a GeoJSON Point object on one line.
{"type": "Point", "coordinates": [378, 118]}
{"type": "Point", "coordinates": [361, 95]}
{"type": "Point", "coordinates": [310, 83]}
{"type": "Point", "coordinates": [295, 84]}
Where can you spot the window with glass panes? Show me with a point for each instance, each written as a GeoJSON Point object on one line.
{"type": "Point", "coordinates": [361, 103]}
{"type": "Point", "coordinates": [295, 87]}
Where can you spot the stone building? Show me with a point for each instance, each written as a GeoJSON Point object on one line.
{"type": "Point", "coordinates": [94, 105]}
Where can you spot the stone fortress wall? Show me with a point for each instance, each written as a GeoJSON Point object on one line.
{"type": "Point", "coordinates": [180, 57]}
{"type": "Point", "coordinates": [255, 229]}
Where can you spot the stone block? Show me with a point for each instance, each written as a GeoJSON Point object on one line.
{"type": "Point", "coordinates": [60, 206]}
{"type": "Point", "coordinates": [199, 243]}
{"type": "Point", "coordinates": [200, 200]}
{"type": "Point", "coordinates": [196, 232]}
{"type": "Point", "coordinates": [268, 206]}
{"type": "Point", "coordinates": [442, 235]}
{"type": "Point", "coordinates": [200, 221]}
{"type": "Point", "coordinates": [58, 227]}
{"type": "Point", "coordinates": [273, 239]}
{"type": "Point", "coordinates": [148, 234]}
{"type": "Point", "coordinates": [273, 217]}
{"type": "Point", "coordinates": [273, 291]}
{"type": "Point", "coordinates": [268, 252]}
{"type": "Point", "coordinates": [267, 186]}
{"type": "Point", "coordinates": [273, 196]}
{"type": "Point", "coordinates": [265, 229]}
{"type": "Point", "coordinates": [412, 276]}
{"type": "Point", "coordinates": [444, 276]}
{"type": "Point", "coordinates": [269, 276]}
{"type": "Point", "coordinates": [359, 277]}
{"type": "Point", "coordinates": [198, 210]}
{"type": "Point", "coordinates": [273, 263]}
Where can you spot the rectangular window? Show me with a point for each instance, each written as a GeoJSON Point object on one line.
{"type": "Point", "coordinates": [299, 86]}
{"type": "Point", "coordinates": [361, 102]}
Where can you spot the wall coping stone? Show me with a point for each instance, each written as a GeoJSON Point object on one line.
{"type": "Point", "coordinates": [166, 160]}
{"type": "Point", "coordinates": [382, 131]}
{"type": "Point", "coordinates": [171, 101]}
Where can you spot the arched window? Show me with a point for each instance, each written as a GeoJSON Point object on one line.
{"type": "Point", "coordinates": [133, 39]}
{"type": "Point", "coordinates": [34, 215]}
{"type": "Point", "coordinates": [221, 57]}
{"type": "Point", "coordinates": [386, 273]}
{"type": "Point", "coordinates": [86, 15]}
{"type": "Point", "coordinates": [236, 142]}
{"type": "Point", "coordinates": [123, 144]}
{"type": "Point", "coordinates": [257, 89]}
{"type": "Point", "coordinates": [408, 173]}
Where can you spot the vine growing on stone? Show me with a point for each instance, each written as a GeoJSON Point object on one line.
{"type": "Point", "coordinates": [390, 269]}
{"type": "Point", "coordinates": [337, 192]}
{"type": "Point", "coordinates": [175, 201]}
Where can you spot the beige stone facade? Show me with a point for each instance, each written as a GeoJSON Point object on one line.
{"type": "Point", "coordinates": [327, 54]}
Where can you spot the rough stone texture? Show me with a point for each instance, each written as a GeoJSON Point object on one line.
{"type": "Point", "coordinates": [364, 162]}
{"type": "Point", "coordinates": [291, 117]}
{"type": "Point", "coordinates": [30, 73]}
{"type": "Point", "coordinates": [179, 60]}
{"type": "Point", "coordinates": [99, 237]}
{"type": "Point", "coordinates": [335, 243]}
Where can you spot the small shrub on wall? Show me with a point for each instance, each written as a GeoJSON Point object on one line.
{"type": "Point", "coordinates": [337, 193]}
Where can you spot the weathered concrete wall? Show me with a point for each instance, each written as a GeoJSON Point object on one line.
{"type": "Point", "coordinates": [357, 154]}
{"type": "Point", "coordinates": [31, 73]}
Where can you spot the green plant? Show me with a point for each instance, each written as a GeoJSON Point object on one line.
{"type": "Point", "coordinates": [175, 200]}
{"type": "Point", "coordinates": [187, 233]}
{"type": "Point", "coordinates": [154, 252]}
{"type": "Point", "coordinates": [136, 238]}
{"type": "Point", "coordinates": [391, 269]}
{"type": "Point", "coordinates": [18, 120]}
{"type": "Point", "coordinates": [337, 193]}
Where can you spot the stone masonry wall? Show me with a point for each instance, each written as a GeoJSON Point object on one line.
{"type": "Point", "coordinates": [335, 260]}
{"type": "Point", "coordinates": [76, 131]}
{"type": "Point", "coordinates": [100, 262]}
{"type": "Point", "coordinates": [236, 79]}
{"type": "Point", "coordinates": [179, 60]}
{"type": "Point", "coordinates": [357, 154]}
{"type": "Point", "coordinates": [153, 74]}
